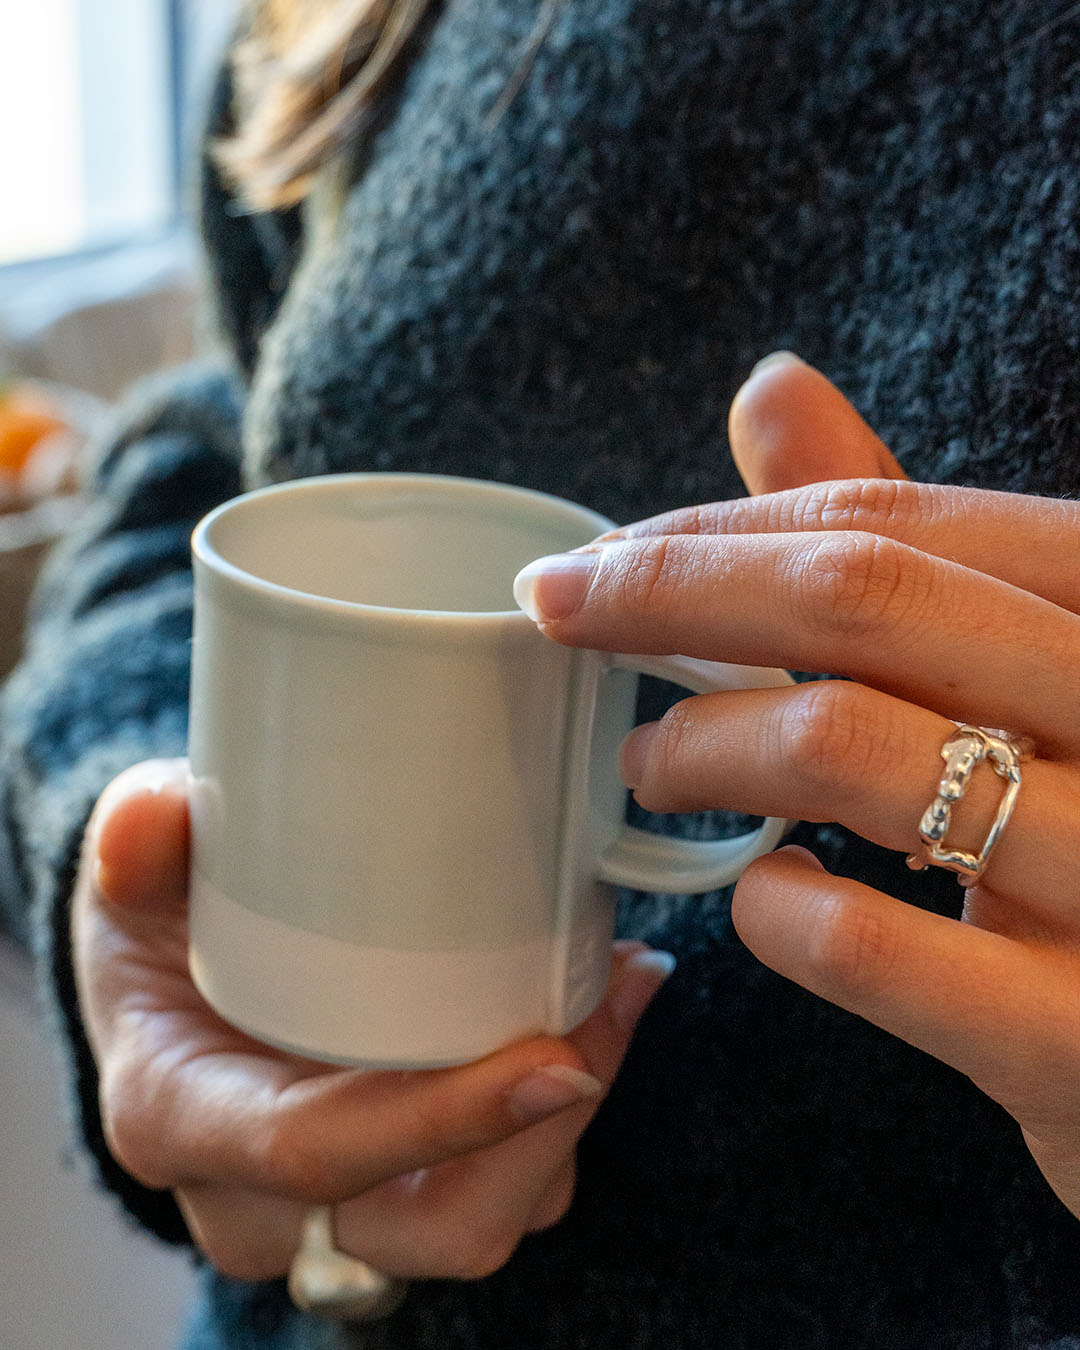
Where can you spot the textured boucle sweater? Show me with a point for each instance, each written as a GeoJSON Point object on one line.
{"type": "Point", "coordinates": [565, 293]}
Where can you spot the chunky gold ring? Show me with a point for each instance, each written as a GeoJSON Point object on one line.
{"type": "Point", "coordinates": [963, 753]}
{"type": "Point", "coordinates": [325, 1281]}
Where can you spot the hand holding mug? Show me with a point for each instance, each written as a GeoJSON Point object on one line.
{"type": "Point", "coordinates": [301, 734]}
{"type": "Point", "coordinates": [937, 603]}
{"type": "Point", "coordinates": [431, 1174]}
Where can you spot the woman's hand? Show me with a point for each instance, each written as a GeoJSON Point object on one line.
{"type": "Point", "coordinates": [938, 603]}
{"type": "Point", "coordinates": [432, 1173]}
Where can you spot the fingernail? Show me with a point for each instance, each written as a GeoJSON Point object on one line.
{"type": "Point", "coordinates": [160, 774]}
{"type": "Point", "coordinates": [635, 752]}
{"type": "Point", "coordinates": [642, 976]}
{"type": "Point", "coordinates": [100, 875]}
{"type": "Point", "coordinates": [781, 358]}
{"type": "Point", "coordinates": [803, 854]}
{"type": "Point", "coordinates": [410, 1183]}
{"type": "Point", "coordinates": [551, 1089]}
{"type": "Point", "coordinates": [554, 587]}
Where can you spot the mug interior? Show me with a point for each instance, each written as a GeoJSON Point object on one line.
{"type": "Point", "coordinates": [395, 541]}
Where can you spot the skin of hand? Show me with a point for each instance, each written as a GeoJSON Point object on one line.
{"type": "Point", "coordinates": [839, 564]}
{"type": "Point", "coordinates": [434, 1173]}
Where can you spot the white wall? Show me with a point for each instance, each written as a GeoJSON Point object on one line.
{"type": "Point", "coordinates": [73, 1274]}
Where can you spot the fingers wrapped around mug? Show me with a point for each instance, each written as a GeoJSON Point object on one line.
{"type": "Point", "coordinates": [941, 607]}
{"type": "Point", "coordinates": [923, 639]}
{"type": "Point", "coordinates": [846, 603]}
{"type": "Point", "coordinates": [834, 750]}
{"type": "Point", "coordinates": [461, 1205]}
{"type": "Point", "coordinates": [435, 1173]}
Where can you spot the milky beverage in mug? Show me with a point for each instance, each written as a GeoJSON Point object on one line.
{"type": "Point", "coordinates": [407, 816]}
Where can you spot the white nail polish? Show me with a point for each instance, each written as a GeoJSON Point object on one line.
{"type": "Point", "coordinates": [567, 580]}
{"type": "Point", "coordinates": [634, 993]}
{"type": "Point", "coordinates": [410, 1183]}
{"type": "Point", "coordinates": [523, 588]}
{"type": "Point", "coordinates": [551, 1089]}
{"type": "Point", "coordinates": [781, 358]}
{"type": "Point", "coordinates": [658, 962]}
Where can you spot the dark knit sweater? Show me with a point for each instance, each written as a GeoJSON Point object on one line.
{"type": "Point", "coordinates": [566, 296]}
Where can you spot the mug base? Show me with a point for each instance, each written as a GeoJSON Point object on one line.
{"type": "Point", "coordinates": [375, 1007]}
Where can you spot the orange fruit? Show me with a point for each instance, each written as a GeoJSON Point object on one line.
{"type": "Point", "coordinates": [25, 420]}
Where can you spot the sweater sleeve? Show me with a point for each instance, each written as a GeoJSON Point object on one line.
{"type": "Point", "coordinates": [103, 683]}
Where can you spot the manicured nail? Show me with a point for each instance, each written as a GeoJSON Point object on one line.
{"type": "Point", "coordinates": [641, 977]}
{"type": "Point", "coordinates": [781, 358]}
{"type": "Point", "coordinates": [554, 587]}
{"type": "Point", "coordinates": [150, 778]}
{"type": "Point", "coordinates": [101, 878]}
{"type": "Point", "coordinates": [407, 1185]}
{"type": "Point", "coordinates": [551, 1089]}
{"type": "Point", "coordinates": [635, 753]}
{"type": "Point", "coordinates": [803, 854]}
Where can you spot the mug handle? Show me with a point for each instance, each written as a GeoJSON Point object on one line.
{"type": "Point", "coordinates": [656, 862]}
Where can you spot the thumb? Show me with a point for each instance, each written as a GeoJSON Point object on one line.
{"type": "Point", "coordinates": [790, 426]}
{"type": "Point", "coordinates": [139, 836]}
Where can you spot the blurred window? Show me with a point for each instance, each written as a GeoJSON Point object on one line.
{"type": "Point", "coordinates": [97, 108]}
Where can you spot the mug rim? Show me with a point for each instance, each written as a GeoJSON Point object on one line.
{"type": "Point", "coordinates": [206, 555]}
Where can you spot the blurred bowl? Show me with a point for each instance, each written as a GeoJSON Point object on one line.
{"type": "Point", "coordinates": [40, 501]}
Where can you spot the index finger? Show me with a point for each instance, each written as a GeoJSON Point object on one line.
{"type": "Point", "coordinates": [179, 1109]}
{"type": "Point", "coordinates": [187, 1099]}
{"type": "Point", "coordinates": [1030, 542]}
{"type": "Point", "coordinates": [938, 634]}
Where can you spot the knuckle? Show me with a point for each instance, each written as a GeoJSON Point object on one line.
{"type": "Point", "coordinates": [674, 748]}
{"type": "Point", "coordinates": [828, 736]}
{"type": "Point", "coordinates": [291, 1163]}
{"type": "Point", "coordinates": [854, 950]}
{"type": "Point", "coordinates": [652, 576]}
{"type": "Point", "coordinates": [858, 584]}
{"type": "Point", "coordinates": [465, 1244]}
{"type": "Point", "coordinates": [131, 1125]}
{"type": "Point", "coordinates": [233, 1258]}
{"type": "Point", "coordinates": [873, 505]}
{"type": "Point", "coordinates": [441, 1126]}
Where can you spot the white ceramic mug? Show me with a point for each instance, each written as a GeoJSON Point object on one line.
{"type": "Point", "coordinates": [406, 808]}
